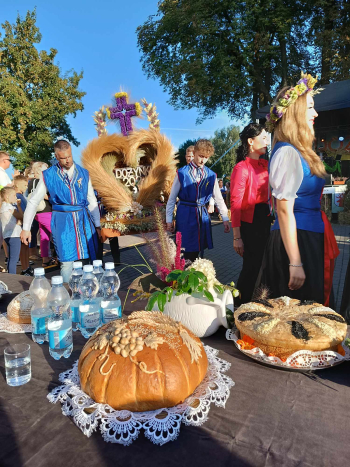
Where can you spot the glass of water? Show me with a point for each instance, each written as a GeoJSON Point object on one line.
{"type": "Point", "coordinates": [17, 364]}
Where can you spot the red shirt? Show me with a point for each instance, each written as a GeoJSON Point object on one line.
{"type": "Point", "coordinates": [249, 186]}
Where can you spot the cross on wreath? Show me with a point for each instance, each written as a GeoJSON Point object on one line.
{"type": "Point", "coordinates": [123, 112]}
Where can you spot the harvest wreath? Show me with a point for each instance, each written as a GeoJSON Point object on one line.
{"type": "Point", "coordinates": [131, 171]}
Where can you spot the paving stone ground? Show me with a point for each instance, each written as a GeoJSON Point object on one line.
{"type": "Point", "coordinates": [228, 264]}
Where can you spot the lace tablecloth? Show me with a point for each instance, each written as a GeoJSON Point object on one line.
{"type": "Point", "coordinates": [301, 360]}
{"type": "Point", "coordinates": [160, 426]}
{"type": "Point", "coordinates": [13, 328]}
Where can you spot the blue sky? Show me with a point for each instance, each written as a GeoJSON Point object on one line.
{"type": "Point", "coordinates": [99, 38]}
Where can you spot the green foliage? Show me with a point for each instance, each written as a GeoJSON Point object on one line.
{"type": "Point", "coordinates": [35, 98]}
{"type": "Point", "coordinates": [222, 140]}
{"type": "Point", "coordinates": [229, 55]}
{"type": "Point", "coordinates": [182, 151]}
{"type": "Point", "coordinates": [225, 55]}
{"type": "Point", "coordinates": [189, 281]}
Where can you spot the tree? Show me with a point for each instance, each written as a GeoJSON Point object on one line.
{"type": "Point", "coordinates": [226, 54]}
{"type": "Point", "coordinates": [330, 26]}
{"type": "Point", "coordinates": [35, 99]}
{"type": "Point", "coordinates": [222, 140]}
{"type": "Point", "coordinates": [182, 151]}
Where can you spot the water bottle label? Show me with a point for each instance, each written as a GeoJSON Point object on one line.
{"type": "Point", "coordinates": [90, 319]}
{"type": "Point", "coordinates": [110, 314]}
{"type": "Point", "coordinates": [39, 324]}
{"type": "Point", "coordinates": [75, 314]}
{"type": "Point", "coordinates": [60, 339]}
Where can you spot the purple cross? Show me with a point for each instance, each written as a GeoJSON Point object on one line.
{"type": "Point", "coordinates": [123, 112]}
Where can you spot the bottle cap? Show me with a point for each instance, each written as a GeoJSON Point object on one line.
{"type": "Point", "coordinates": [88, 268]}
{"type": "Point", "coordinates": [56, 280]}
{"type": "Point", "coordinates": [109, 265]}
{"type": "Point", "coordinates": [78, 265]}
{"type": "Point", "coordinates": [97, 263]}
{"type": "Point", "coordinates": [39, 272]}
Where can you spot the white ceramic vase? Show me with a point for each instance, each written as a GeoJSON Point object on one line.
{"type": "Point", "coordinates": [198, 314]}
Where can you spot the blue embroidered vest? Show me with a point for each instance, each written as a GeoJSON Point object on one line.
{"type": "Point", "coordinates": [192, 218]}
{"type": "Point", "coordinates": [73, 231]}
{"type": "Point", "coordinates": [307, 205]}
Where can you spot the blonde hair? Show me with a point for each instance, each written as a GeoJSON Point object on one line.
{"type": "Point", "coordinates": [18, 179]}
{"type": "Point", "coordinates": [190, 149]}
{"type": "Point", "coordinates": [38, 168]}
{"type": "Point", "coordinates": [204, 145]}
{"type": "Point", "coordinates": [292, 128]}
{"type": "Point", "coordinates": [5, 192]}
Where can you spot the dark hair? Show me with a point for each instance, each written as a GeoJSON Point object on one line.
{"type": "Point", "coordinates": [61, 145]}
{"type": "Point", "coordinates": [250, 131]}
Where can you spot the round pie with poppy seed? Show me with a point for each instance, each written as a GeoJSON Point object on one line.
{"type": "Point", "coordinates": [284, 325]}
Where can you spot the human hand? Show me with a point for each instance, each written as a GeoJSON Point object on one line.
{"type": "Point", "coordinates": [210, 208]}
{"type": "Point", "coordinates": [238, 246]}
{"type": "Point", "coordinates": [226, 226]}
{"type": "Point", "coordinates": [18, 201]}
{"type": "Point", "coordinates": [26, 237]}
{"type": "Point", "coordinates": [169, 227]}
{"type": "Point", "coordinates": [296, 277]}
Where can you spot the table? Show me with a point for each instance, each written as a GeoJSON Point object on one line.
{"type": "Point", "coordinates": [273, 418]}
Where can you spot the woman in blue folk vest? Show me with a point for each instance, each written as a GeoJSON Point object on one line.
{"type": "Point", "coordinates": [299, 257]}
{"type": "Point", "coordinates": [75, 222]}
{"type": "Point", "coordinates": [194, 185]}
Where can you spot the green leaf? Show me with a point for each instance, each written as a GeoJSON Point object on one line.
{"type": "Point", "coordinates": [218, 288]}
{"type": "Point", "coordinates": [173, 276]}
{"type": "Point", "coordinates": [201, 276]}
{"type": "Point", "coordinates": [208, 295]}
{"type": "Point", "coordinates": [152, 300]}
{"type": "Point", "coordinates": [161, 301]}
{"type": "Point", "coordinates": [169, 293]}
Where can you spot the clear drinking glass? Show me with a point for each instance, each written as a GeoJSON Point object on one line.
{"type": "Point", "coordinates": [17, 364]}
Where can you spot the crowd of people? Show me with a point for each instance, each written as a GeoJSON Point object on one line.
{"type": "Point", "coordinates": [293, 258]}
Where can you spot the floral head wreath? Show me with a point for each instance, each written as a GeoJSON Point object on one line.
{"type": "Point", "coordinates": [278, 109]}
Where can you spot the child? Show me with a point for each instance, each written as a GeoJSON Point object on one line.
{"type": "Point", "coordinates": [11, 218]}
{"type": "Point", "coordinates": [195, 184]}
{"type": "Point", "coordinates": [20, 183]}
{"type": "Point", "coordinates": [189, 154]}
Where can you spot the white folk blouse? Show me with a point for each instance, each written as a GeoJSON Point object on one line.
{"type": "Point", "coordinates": [286, 173]}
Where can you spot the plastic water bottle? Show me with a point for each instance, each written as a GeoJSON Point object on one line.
{"type": "Point", "coordinates": [98, 271]}
{"type": "Point", "coordinates": [75, 299]}
{"type": "Point", "coordinates": [60, 322]}
{"type": "Point", "coordinates": [111, 307]}
{"type": "Point", "coordinates": [39, 290]}
{"type": "Point", "coordinates": [89, 308]}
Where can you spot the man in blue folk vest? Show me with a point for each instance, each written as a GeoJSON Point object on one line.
{"type": "Point", "coordinates": [195, 185]}
{"type": "Point", "coordinates": [75, 222]}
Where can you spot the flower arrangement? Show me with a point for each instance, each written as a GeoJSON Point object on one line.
{"type": "Point", "coordinates": [199, 278]}
{"type": "Point", "coordinates": [278, 109]}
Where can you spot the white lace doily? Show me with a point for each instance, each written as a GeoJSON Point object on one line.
{"type": "Point", "coordinates": [14, 328]}
{"type": "Point", "coordinates": [160, 426]}
{"type": "Point", "coordinates": [301, 360]}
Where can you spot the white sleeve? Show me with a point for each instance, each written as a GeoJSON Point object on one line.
{"type": "Point", "coordinates": [211, 202]}
{"type": "Point", "coordinates": [219, 201]}
{"type": "Point", "coordinates": [286, 173]}
{"type": "Point", "coordinates": [170, 205]}
{"type": "Point", "coordinates": [93, 205]}
{"type": "Point", "coordinates": [32, 204]}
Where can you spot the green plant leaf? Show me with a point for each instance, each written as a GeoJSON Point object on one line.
{"type": "Point", "coordinates": [152, 300]}
{"type": "Point", "coordinates": [161, 301]}
{"type": "Point", "coordinates": [208, 295]}
{"type": "Point", "coordinates": [218, 288]}
{"type": "Point", "coordinates": [169, 293]}
{"type": "Point", "coordinates": [173, 275]}
{"type": "Point", "coordinates": [201, 276]}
